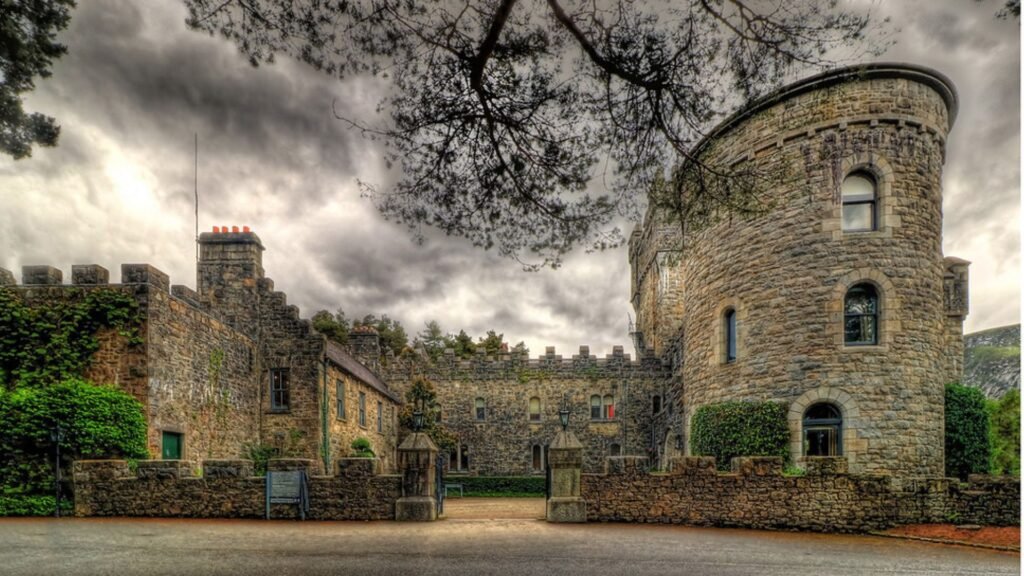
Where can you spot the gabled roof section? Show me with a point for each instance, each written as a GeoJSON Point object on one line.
{"type": "Point", "coordinates": [342, 359]}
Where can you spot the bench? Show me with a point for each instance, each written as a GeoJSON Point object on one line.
{"type": "Point", "coordinates": [452, 486]}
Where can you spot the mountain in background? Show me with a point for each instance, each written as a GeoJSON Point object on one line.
{"type": "Point", "coordinates": [992, 360]}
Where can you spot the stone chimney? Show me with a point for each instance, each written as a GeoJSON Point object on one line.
{"type": "Point", "coordinates": [230, 264]}
{"type": "Point", "coordinates": [365, 344]}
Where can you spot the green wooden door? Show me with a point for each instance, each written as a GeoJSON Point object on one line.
{"type": "Point", "coordinates": [172, 444]}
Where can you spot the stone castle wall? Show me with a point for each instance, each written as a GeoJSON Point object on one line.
{"type": "Point", "coordinates": [193, 374]}
{"type": "Point", "coordinates": [757, 495]}
{"type": "Point", "coordinates": [785, 273]}
{"type": "Point", "coordinates": [502, 442]}
{"type": "Point", "coordinates": [228, 489]}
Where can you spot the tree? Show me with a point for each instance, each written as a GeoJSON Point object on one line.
{"type": "Point", "coordinates": [967, 429]}
{"type": "Point", "coordinates": [1004, 433]}
{"type": "Point", "coordinates": [492, 343]}
{"type": "Point", "coordinates": [531, 127]}
{"type": "Point", "coordinates": [28, 47]}
{"type": "Point", "coordinates": [392, 334]}
{"type": "Point", "coordinates": [334, 326]}
{"type": "Point", "coordinates": [422, 395]}
{"type": "Point", "coordinates": [432, 340]}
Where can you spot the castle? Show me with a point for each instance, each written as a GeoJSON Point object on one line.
{"type": "Point", "coordinates": [837, 302]}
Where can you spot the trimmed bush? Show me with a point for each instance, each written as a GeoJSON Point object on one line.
{"type": "Point", "coordinates": [96, 421]}
{"type": "Point", "coordinates": [733, 429]}
{"type": "Point", "coordinates": [361, 448]}
{"type": "Point", "coordinates": [967, 442]}
{"type": "Point", "coordinates": [32, 505]}
{"type": "Point", "coordinates": [500, 485]}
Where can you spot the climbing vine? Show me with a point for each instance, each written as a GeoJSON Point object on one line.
{"type": "Point", "coordinates": [43, 345]}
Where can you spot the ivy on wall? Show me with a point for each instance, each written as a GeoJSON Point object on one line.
{"type": "Point", "coordinates": [731, 429]}
{"type": "Point", "coordinates": [43, 345]}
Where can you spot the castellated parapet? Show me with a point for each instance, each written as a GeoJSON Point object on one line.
{"type": "Point", "coordinates": [503, 409]}
{"type": "Point", "coordinates": [203, 372]}
{"type": "Point", "coordinates": [785, 275]}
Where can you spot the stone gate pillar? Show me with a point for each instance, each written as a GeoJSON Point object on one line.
{"type": "Point", "coordinates": [565, 458]}
{"type": "Point", "coordinates": [417, 459]}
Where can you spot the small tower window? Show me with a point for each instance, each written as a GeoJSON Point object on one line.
{"type": "Point", "coordinates": [481, 409]}
{"type": "Point", "coordinates": [595, 407]}
{"type": "Point", "coordinates": [729, 324]}
{"type": "Point", "coordinates": [859, 200]}
{"type": "Point", "coordinates": [608, 408]}
{"type": "Point", "coordinates": [860, 315]}
{"type": "Point", "coordinates": [535, 409]}
{"type": "Point", "coordinates": [655, 404]}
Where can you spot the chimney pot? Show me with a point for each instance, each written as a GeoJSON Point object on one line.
{"type": "Point", "coordinates": [216, 229]}
{"type": "Point", "coordinates": [234, 229]}
{"type": "Point", "coordinates": [246, 229]}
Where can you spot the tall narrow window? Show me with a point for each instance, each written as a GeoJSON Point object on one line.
{"type": "Point", "coordinates": [655, 404]}
{"type": "Point", "coordinates": [595, 407]}
{"type": "Point", "coordinates": [537, 452]}
{"type": "Point", "coordinates": [481, 408]}
{"type": "Point", "coordinates": [608, 407]}
{"type": "Point", "coordinates": [463, 457]}
{"type": "Point", "coordinates": [535, 409]}
{"type": "Point", "coordinates": [340, 402]}
{"type": "Point", "coordinates": [362, 409]}
{"type": "Point", "coordinates": [823, 431]}
{"type": "Point", "coordinates": [279, 392]}
{"type": "Point", "coordinates": [730, 335]}
{"type": "Point", "coordinates": [859, 199]}
{"type": "Point", "coordinates": [615, 450]}
{"type": "Point", "coordinates": [380, 417]}
{"type": "Point", "coordinates": [860, 315]}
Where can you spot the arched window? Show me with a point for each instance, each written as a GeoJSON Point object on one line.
{"type": "Point", "coordinates": [615, 450]}
{"type": "Point", "coordinates": [823, 430]}
{"type": "Point", "coordinates": [859, 200]}
{"type": "Point", "coordinates": [655, 404]}
{"type": "Point", "coordinates": [860, 315]}
{"type": "Point", "coordinates": [481, 410]}
{"type": "Point", "coordinates": [729, 328]}
{"type": "Point", "coordinates": [538, 458]}
{"type": "Point", "coordinates": [608, 407]}
{"type": "Point", "coordinates": [535, 409]}
{"type": "Point", "coordinates": [595, 407]}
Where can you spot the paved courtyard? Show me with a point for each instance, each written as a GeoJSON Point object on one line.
{"type": "Point", "coordinates": [509, 547]}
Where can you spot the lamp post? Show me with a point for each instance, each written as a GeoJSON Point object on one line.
{"type": "Point", "coordinates": [563, 417]}
{"type": "Point", "coordinates": [417, 416]}
{"type": "Point", "coordinates": [57, 436]}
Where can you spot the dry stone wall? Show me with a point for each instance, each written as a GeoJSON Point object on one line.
{"type": "Point", "coordinates": [227, 489]}
{"type": "Point", "coordinates": [757, 495]}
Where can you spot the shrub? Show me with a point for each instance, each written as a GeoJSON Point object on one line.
{"type": "Point", "coordinates": [1004, 433]}
{"type": "Point", "coordinates": [361, 448]}
{"type": "Point", "coordinates": [734, 429]}
{"type": "Point", "coordinates": [97, 422]}
{"type": "Point", "coordinates": [501, 485]}
{"type": "Point", "coordinates": [260, 454]}
{"type": "Point", "coordinates": [20, 505]}
{"type": "Point", "coordinates": [967, 442]}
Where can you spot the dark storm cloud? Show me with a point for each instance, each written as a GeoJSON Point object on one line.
{"type": "Point", "coordinates": [272, 122]}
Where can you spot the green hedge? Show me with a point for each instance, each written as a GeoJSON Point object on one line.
{"type": "Point", "coordinates": [97, 421]}
{"type": "Point", "coordinates": [967, 441]}
{"type": "Point", "coordinates": [33, 505]}
{"type": "Point", "coordinates": [734, 429]}
{"type": "Point", "coordinates": [499, 485]}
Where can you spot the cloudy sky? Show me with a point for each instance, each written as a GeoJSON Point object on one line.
{"type": "Point", "coordinates": [136, 85]}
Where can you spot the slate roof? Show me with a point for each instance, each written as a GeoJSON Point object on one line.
{"type": "Point", "coordinates": [344, 360]}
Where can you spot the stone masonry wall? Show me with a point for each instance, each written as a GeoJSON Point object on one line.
{"type": "Point", "coordinates": [345, 427]}
{"type": "Point", "coordinates": [502, 442]}
{"type": "Point", "coordinates": [193, 374]}
{"type": "Point", "coordinates": [227, 489]}
{"type": "Point", "coordinates": [786, 272]}
{"type": "Point", "coordinates": [756, 495]}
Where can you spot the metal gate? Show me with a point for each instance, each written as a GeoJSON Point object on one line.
{"type": "Point", "coordinates": [439, 484]}
{"type": "Point", "coordinates": [547, 481]}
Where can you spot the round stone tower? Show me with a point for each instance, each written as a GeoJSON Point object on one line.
{"type": "Point", "coordinates": [837, 301]}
